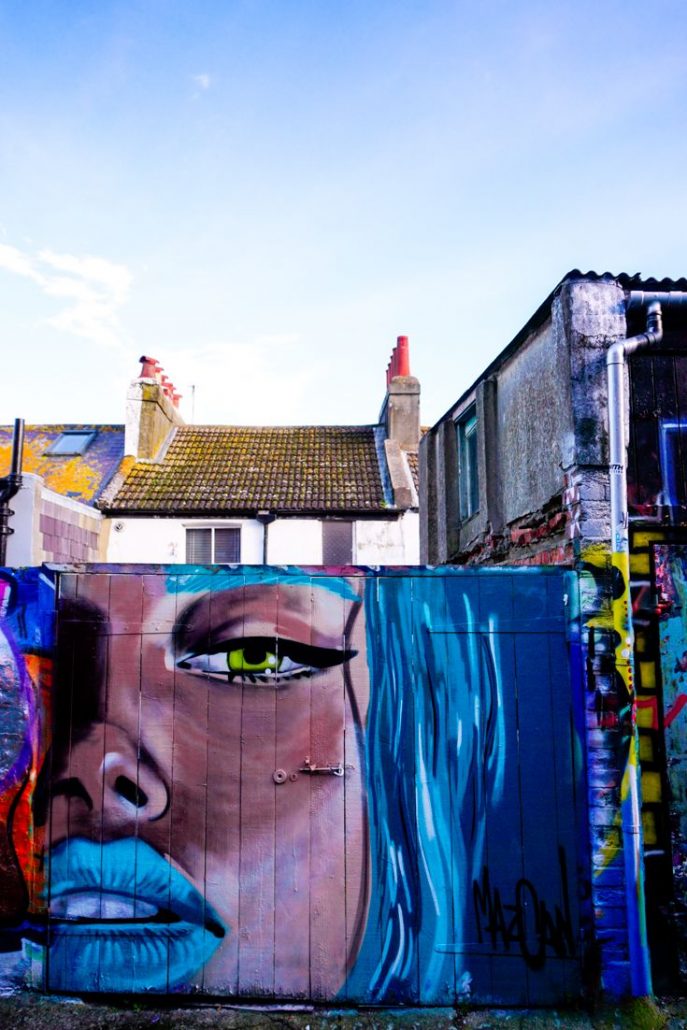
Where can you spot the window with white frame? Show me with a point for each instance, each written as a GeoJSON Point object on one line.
{"type": "Point", "coordinates": [213, 545]}
{"type": "Point", "coordinates": [468, 472]}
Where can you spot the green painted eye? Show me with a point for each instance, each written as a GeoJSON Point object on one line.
{"type": "Point", "coordinates": [263, 660]}
{"type": "Point", "coordinates": [252, 659]}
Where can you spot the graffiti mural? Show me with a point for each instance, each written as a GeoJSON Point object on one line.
{"type": "Point", "coordinates": [614, 748]}
{"type": "Point", "coordinates": [359, 785]}
{"type": "Point", "coordinates": [671, 586]}
{"type": "Point", "coordinates": [26, 648]}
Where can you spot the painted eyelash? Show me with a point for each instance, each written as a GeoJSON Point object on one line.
{"type": "Point", "coordinates": [305, 660]}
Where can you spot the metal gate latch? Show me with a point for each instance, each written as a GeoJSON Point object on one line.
{"type": "Point", "coordinates": [330, 770]}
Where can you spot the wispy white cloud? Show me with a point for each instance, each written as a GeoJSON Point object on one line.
{"type": "Point", "coordinates": [14, 260]}
{"type": "Point", "coordinates": [203, 80]}
{"type": "Point", "coordinates": [92, 288]}
{"type": "Point", "coordinates": [263, 381]}
{"type": "Point", "coordinates": [113, 277]}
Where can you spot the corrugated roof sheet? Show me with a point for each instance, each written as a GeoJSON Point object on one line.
{"type": "Point", "coordinates": [81, 476]}
{"type": "Point", "coordinates": [241, 469]}
{"type": "Point", "coordinates": [630, 281]}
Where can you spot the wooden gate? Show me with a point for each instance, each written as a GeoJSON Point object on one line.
{"type": "Point", "coordinates": [353, 785]}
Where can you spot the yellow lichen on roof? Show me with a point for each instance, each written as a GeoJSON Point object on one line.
{"type": "Point", "coordinates": [79, 476]}
{"type": "Point", "coordinates": [69, 476]}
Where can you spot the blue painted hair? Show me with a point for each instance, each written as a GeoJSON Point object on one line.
{"type": "Point", "coordinates": [434, 746]}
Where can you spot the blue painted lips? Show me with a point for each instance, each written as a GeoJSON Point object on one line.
{"type": "Point", "coordinates": [122, 919]}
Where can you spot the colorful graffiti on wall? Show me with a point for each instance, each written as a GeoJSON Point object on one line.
{"type": "Point", "coordinates": [290, 783]}
{"type": "Point", "coordinates": [26, 647]}
{"type": "Point", "coordinates": [614, 772]}
{"type": "Point", "coordinates": [671, 584]}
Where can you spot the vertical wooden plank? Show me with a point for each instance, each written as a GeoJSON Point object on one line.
{"type": "Point", "coordinates": [648, 482]}
{"type": "Point", "coordinates": [664, 386]}
{"type": "Point", "coordinates": [124, 966]}
{"type": "Point", "coordinates": [541, 898]}
{"type": "Point", "coordinates": [680, 375]}
{"type": "Point", "coordinates": [462, 660]}
{"type": "Point", "coordinates": [356, 801]}
{"type": "Point", "coordinates": [71, 809]}
{"type": "Point", "coordinates": [433, 693]}
{"type": "Point", "coordinates": [567, 788]}
{"type": "Point", "coordinates": [643, 403]}
{"type": "Point", "coordinates": [121, 749]}
{"type": "Point", "coordinates": [188, 808]}
{"type": "Point", "coordinates": [503, 597]}
{"type": "Point", "coordinates": [223, 831]}
{"type": "Point", "coordinates": [667, 409]}
{"type": "Point", "coordinates": [157, 717]}
{"type": "Point", "coordinates": [681, 384]}
{"type": "Point", "coordinates": [56, 971]}
{"type": "Point", "coordinates": [328, 952]}
{"type": "Point", "coordinates": [292, 815]}
{"type": "Point", "coordinates": [643, 457]}
{"type": "Point", "coordinates": [257, 861]}
{"type": "Point", "coordinates": [98, 592]}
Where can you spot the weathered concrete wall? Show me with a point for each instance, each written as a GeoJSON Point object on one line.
{"type": "Point", "coordinates": [387, 542]}
{"type": "Point", "coordinates": [534, 424]}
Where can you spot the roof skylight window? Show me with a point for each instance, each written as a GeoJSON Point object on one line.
{"type": "Point", "coordinates": [72, 441]}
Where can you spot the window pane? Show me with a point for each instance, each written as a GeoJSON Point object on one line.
{"type": "Point", "coordinates": [71, 443]}
{"type": "Point", "coordinates": [199, 546]}
{"type": "Point", "coordinates": [337, 543]}
{"type": "Point", "coordinates": [227, 546]}
{"type": "Point", "coordinates": [471, 461]}
{"type": "Point", "coordinates": [468, 478]}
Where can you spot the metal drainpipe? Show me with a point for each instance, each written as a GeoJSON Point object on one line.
{"type": "Point", "coordinates": [624, 659]}
{"type": "Point", "coordinates": [10, 485]}
{"type": "Point", "coordinates": [265, 518]}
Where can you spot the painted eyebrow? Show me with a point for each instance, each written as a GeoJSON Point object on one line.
{"type": "Point", "coordinates": [183, 632]}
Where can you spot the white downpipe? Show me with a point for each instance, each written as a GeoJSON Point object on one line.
{"type": "Point", "coordinates": [622, 622]}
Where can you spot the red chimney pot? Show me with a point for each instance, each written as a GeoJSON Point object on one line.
{"type": "Point", "coordinates": [150, 366]}
{"type": "Point", "coordinates": [403, 356]}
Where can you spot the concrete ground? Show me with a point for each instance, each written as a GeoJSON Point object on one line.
{"type": "Point", "coordinates": [31, 1012]}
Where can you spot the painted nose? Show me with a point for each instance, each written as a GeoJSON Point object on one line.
{"type": "Point", "coordinates": [130, 787]}
{"type": "Point", "coordinates": [106, 781]}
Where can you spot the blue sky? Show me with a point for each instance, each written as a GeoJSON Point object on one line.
{"type": "Point", "coordinates": [263, 195]}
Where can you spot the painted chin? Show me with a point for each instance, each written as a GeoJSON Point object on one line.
{"type": "Point", "coordinates": [123, 920]}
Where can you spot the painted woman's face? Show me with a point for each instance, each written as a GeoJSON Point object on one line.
{"type": "Point", "coordinates": [208, 824]}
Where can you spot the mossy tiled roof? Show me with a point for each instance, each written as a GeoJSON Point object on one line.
{"type": "Point", "coordinates": [81, 476]}
{"type": "Point", "coordinates": [414, 466]}
{"type": "Point", "coordinates": [241, 469]}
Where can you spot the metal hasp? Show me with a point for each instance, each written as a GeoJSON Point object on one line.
{"type": "Point", "coordinates": [624, 656]}
{"type": "Point", "coordinates": [9, 486]}
{"type": "Point", "coordinates": [326, 770]}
